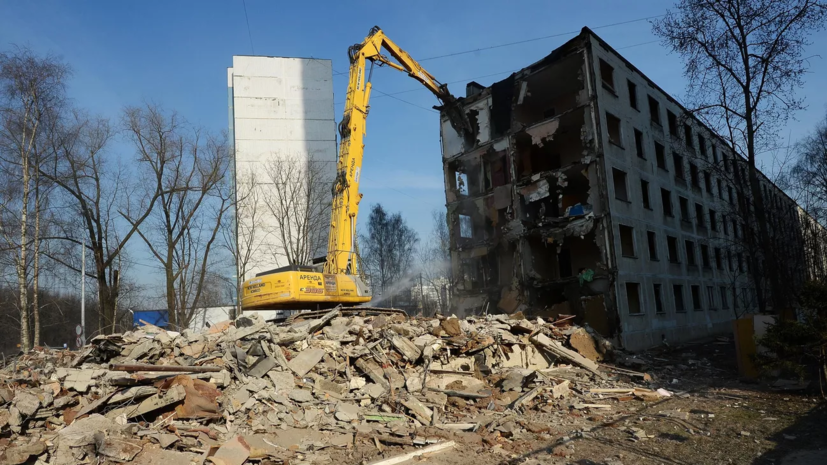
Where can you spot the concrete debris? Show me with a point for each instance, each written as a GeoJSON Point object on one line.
{"type": "Point", "coordinates": [119, 450]}
{"type": "Point", "coordinates": [305, 361]}
{"type": "Point", "coordinates": [233, 452]}
{"type": "Point", "coordinates": [246, 390]}
{"type": "Point", "coordinates": [585, 345]}
{"type": "Point", "coordinates": [347, 411]}
{"type": "Point", "coordinates": [18, 455]}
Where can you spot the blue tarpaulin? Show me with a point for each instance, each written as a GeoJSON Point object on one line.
{"type": "Point", "coordinates": [155, 317]}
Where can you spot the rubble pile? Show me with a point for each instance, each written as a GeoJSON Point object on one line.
{"type": "Point", "coordinates": [298, 392]}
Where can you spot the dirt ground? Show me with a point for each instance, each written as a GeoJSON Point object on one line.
{"type": "Point", "coordinates": [714, 418]}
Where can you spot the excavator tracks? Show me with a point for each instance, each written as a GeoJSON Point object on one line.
{"type": "Point", "coordinates": [348, 311]}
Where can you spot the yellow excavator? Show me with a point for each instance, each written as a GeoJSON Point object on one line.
{"type": "Point", "coordinates": [340, 280]}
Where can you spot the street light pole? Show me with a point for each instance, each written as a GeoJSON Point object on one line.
{"type": "Point", "coordinates": [83, 290]}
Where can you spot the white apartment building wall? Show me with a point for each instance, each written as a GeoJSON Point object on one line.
{"type": "Point", "coordinates": [279, 107]}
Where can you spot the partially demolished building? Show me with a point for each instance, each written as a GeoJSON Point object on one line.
{"type": "Point", "coordinates": [588, 190]}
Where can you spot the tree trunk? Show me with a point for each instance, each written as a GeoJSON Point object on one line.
{"type": "Point", "coordinates": [107, 297]}
{"type": "Point", "coordinates": [116, 285]}
{"type": "Point", "coordinates": [25, 341]}
{"type": "Point", "coordinates": [766, 250]}
{"type": "Point", "coordinates": [766, 247]}
{"type": "Point", "coordinates": [36, 264]}
{"type": "Point", "coordinates": [171, 303]}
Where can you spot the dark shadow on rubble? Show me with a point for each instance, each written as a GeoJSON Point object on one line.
{"type": "Point", "coordinates": [802, 443]}
{"type": "Point", "coordinates": [623, 446]}
{"type": "Point", "coordinates": [673, 437]}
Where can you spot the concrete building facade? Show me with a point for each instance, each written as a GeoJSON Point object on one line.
{"type": "Point", "coordinates": [279, 109]}
{"type": "Point", "coordinates": [588, 190]}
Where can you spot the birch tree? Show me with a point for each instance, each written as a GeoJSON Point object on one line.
{"type": "Point", "coordinates": [243, 237]}
{"type": "Point", "coordinates": [32, 92]}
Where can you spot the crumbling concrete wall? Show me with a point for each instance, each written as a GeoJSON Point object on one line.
{"type": "Point", "coordinates": [526, 196]}
{"type": "Point", "coordinates": [582, 167]}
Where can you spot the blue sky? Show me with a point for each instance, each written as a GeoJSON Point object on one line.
{"type": "Point", "coordinates": [176, 53]}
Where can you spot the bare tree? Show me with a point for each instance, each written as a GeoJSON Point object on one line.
{"type": "Point", "coordinates": [242, 237]}
{"type": "Point", "coordinates": [388, 249]}
{"type": "Point", "coordinates": [744, 60]}
{"type": "Point", "coordinates": [297, 195]}
{"type": "Point", "coordinates": [189, 167]}
{"type": "Point", "coordinates": [435, 263]}
{"type": "Point", "coordinates": [809, 175]}
{"type": "Point", "coordinates": [31, 93]}
{"type": "Point", "coordinates": [98, 195]}
{"type": "Point", "coordinates": [808, 180]}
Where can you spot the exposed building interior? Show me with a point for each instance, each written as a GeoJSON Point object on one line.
{"type": "Point", "coordinates": [523, 207]}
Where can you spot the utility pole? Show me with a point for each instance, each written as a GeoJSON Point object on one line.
{"type": "Point", "coordinates": [421, 293]}
{"type": "Point", "coordinates": [83, 290]}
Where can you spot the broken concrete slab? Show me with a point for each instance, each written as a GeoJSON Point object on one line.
{"type": "Point", "coordinates": [515, 379]}
{"type": "Point", "coordinates": [585, 345]}
{"type": "Point", "coordinates": [559, 351]}
{"type": "Point", "coordinates": [301, 395]}
{"type": "Point", "coordinates": [165, 440]}
{"type": "Point", "coordinates": [305, 361]}
{"type": "Point", "coordinates": [117, 449]}
{"type": "Point", "coordinates": [418, 410]}
{"type": "Point", "coordinates": [27, 403]}
{"type": "Point", "coordinates": [334, 389]}
{"type": "Point", "coordinates": [282, 380]}
{"type": "Point", "coordinates": [451, 327]}
{"type": "Point", "coordinates": [151, 404]}
{"type": "Point", "coordinates": [261, 366]}
{"type": "Point", "coordinates": [345, 411]}
{"type": "Point", "coordinates": [233, 452]}
{"type": "Point", "coordinates": [561, 389]}
{"type": "Point", "coordinates": [82, 432]}
{"type": "Point", "coordinates": [455, 383]}
{"type": "Point", "coordinates": [131, 394]}
{"type": "Point", "coordinates": [405, 347]}
{"type": "Point", "coordinates": [374, 390]}
{"type": "Point", "coordinates": [153, 455]}
{"type": "Point", "coordinates": [18, 455]}
{"type": "Point", "coordinates": [373, 371]}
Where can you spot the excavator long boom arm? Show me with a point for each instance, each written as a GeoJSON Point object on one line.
{"type": "Point", "coordinates": [343, 254]}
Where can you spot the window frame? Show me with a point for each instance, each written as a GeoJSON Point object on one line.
{"type": "Point", "coordinates": [675, 257]}
{"type": "Point", "coordinates": [697, 297]}
{"type": "Point", "coordinates": [607, 85]}
{"type": "Point", "coordinates": [654, 111]}
{"type": "Point", "coordinates": [639, 150]}
{"type": "Point", "coordinates": [610, 118]}
{"type": "Point", "coordinates": [645, 198]}
{"type": "Point", "coordinates": [652, 244]}
{"type": "Point", "coordinates": [689, 250]}
{"type": "Point", "coordinates": [625, 175]}
{"type": "Point", "coordinates": [657, 292]}
{"type": "Point", "coordinates": [631, 235]}
{"type": "Point", "coordinates": [631, 88]}
{"type": "Point", "coordinates": [678, 297]}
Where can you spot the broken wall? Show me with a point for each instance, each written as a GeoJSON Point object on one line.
{"type": "Point", "coordinates": [524, 197]}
